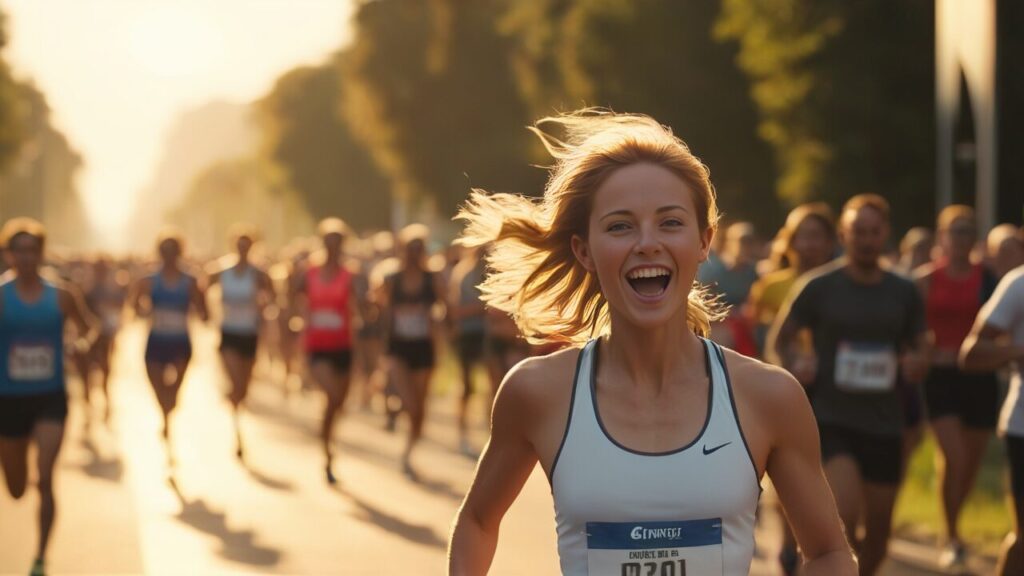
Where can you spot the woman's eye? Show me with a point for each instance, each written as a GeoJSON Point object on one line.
{"type": "Point", "coordinates": [673, 222]}
{"type": "Point", "coordinates": [617, 227]}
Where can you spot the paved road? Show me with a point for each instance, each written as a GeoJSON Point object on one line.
{"type": "Point", "coordinates": [120, 511]}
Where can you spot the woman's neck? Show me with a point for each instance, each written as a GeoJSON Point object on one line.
{"type": "Point", "coordinates": [649, 357]}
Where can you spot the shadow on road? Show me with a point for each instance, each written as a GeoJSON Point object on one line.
{"type": "Point", "coordinates": [100, 467]}
{"type": "Point", "coordinates": [238, 546]}
{"type": "Point", "coordinates": [267, 481]}
{"type": "Point", "coordinates": [412, 532]}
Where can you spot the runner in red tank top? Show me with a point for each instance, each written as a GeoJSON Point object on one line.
{"type": "Point", "coordinates": [330, 315]}
{"type": "Point", "coordinates": [962, 406]}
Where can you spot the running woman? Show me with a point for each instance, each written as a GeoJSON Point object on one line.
{"type": "Point", "coordinates": [166, 298]}
{"type": "Point", "coordinates": [33, 398]}
{"type": "Point", "coordinates": [997, 340]}
{"type": "Point", "coordinates": [867, 325]}
{"type": "Point", "coordinates": [245, 290]}
{"type": "Point", "coordinates": [106, 298]}
{"type": "Point", "coordinates": [409, 297]}
{"type": "Point", "coordinates": [331, 313]}
{"type": "Point", "coordinates": [962, 406]}
{"type": "Point", "coordinates": [654, 439]}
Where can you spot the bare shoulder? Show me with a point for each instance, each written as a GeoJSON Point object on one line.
{"type": "Point", "coordinates": [541, 379]}
{"type": "Point", "coordinates": [761, 386]}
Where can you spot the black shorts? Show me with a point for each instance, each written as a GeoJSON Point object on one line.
{"type": "Point", "coordinates": [470, 347]}
{"type": "Point", "coordinates": [19, 414]}
{"type": "Point", "coordinates": [913, 405]}
{"type": "Point", "coordinates": [878, 456]}
{"type": "Point", "coordinates": [973, 397]}
{"type": "Point", "coordinates": [415, 354]}
{"type": "Point", "coordinates": [340, 360]}
{"type": "Point", "coordinates": [243, 344]}
{"type": "Point", "coordinates": [168, 350]}
{"type": "Point", "coordinates": [1015, 459]}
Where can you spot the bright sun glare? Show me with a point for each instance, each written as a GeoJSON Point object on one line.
{"type": "Point", "coordinates": [173, 40]}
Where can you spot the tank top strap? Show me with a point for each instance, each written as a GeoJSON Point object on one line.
{"type": "Point", "coordinates": [724, 416]}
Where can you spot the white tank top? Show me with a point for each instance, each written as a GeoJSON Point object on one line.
{"type": "Point", "coordinates": [238, 296]}
{"type": "Point", "coordinates": [622, 512]}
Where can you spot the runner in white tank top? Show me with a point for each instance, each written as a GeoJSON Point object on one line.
{"type": "Point", "coordinates": [245, 290]}
{"type": "Point", "coordinates": [655, 446]}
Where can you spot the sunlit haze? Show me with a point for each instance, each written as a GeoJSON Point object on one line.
{"type": "Point", "coordinates": [117, 72]}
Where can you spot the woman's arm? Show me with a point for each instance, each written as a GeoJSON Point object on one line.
{"type": "Point", "coordinates": [506, 463]}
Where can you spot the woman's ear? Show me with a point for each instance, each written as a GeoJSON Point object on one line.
{"type": "Point", "coordinates": [705, 243]}
{"type": "Point", "coordinates": [582, 251]}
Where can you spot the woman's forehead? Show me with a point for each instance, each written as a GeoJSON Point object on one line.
{"type": "Point", "coordinates": [640, 187]}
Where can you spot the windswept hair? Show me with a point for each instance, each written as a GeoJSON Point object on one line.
{"type": "Point", "coordinates": [533, 273]}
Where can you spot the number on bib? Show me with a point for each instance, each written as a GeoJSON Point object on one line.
{"type": "Point", "coordinates": [31, 362]}
{"type": "Point", "coordinates": [866, 367]}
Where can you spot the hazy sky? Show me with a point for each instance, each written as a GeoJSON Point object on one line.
{"type": "Point", "coordinates": [117, 72]}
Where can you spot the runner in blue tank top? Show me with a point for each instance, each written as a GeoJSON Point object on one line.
{"type": "Point", "coordinates": [33, 401]}
{"type": "Point", "coordinates": [166, 298]}
{"type": "Point", "coordinates": [654, 439]}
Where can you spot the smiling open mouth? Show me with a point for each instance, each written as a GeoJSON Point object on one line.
{"type": "Point", "coordinates": [650, 281]}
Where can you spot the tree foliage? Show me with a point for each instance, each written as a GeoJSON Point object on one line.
{"type": "Point", "coordinates": [845, 95]}
{"type": "Point", "coordinates": [304, 135]}
{"type": "Point", "coordinates": [11, 113]}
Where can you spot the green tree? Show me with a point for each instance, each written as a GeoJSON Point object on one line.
{"type": "Point", "coordinates": [11, 130]}
{"type": "Point", "coordinates": [845, 95]}
{"type": "Point", "coordinates": [429, 87]}
{"type": "Point", "coordinates": [305, 135]}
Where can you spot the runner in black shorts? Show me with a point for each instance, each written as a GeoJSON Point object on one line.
{"type": "Point", "coordinates": [245, 290]}
{"type": "Point", "coordinates": [410, 294]}
{"type": "Point", "coordinates": [467, 314]}
{"type": "Point", "coordinates": [868, 329]}
{"type": "Point", "coordinates": [33, 398]}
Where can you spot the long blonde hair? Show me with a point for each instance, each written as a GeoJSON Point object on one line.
{"type": "Point", "coordinates": [533, 273]}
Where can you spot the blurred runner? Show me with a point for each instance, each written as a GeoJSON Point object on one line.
{"type": "Point", "coordinates": [33, 397]}
{"type": "Point", "coordinates": [166, 298]}
{"type": "Point", "coordinates": [731, 277]}
{"type": "Point", "coordinates": [106, 298]}
{"type": "Point", "coordinates": [997, 340]}
{"type": "Point", "coordinates": [653, 438]}
{"type": "Point", "coordinates": [962, 406]}
{"type": "Point", "coordinates": [915, 251]}
{"type": "Point", "coordinates": [869, 341]}
{"type": "Point", "coordinates": [245, 291]}
{"type": "Point", "coordinates": [410, 296]}
{"type": "Point", "coordinates": [1004, 249]}
{"type": "Point", "coordinates": [331, 312]}
{"type": "Point", "coordinates": [467, 314]}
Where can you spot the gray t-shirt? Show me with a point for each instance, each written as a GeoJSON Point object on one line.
{"type": "Point", "coordinates": [1005, 311]}
{"type": "Point", "coordinates": [859, 331]}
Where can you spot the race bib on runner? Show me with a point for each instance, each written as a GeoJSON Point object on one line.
{"type": "Point", "coordinates": [326, 320]}
{"type": "Point", "coordinates": [241, 314]}
{"type": "Point", "coordinates": [170, 322]}
{"type": "Point", "coordinates": [655, 548]}
{"type": "Point", "coordinates": [866, 367]}
{"type": "Point", "coordinates": [29, 362]}
{"type": "Point", "coordinates": [412, 324]}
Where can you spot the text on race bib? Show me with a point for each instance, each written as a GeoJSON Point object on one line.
{"type": "Point", "coordinates": [866, 367]}
{"type": "Point", "coordinates": [31, 362]}
{"type": "Point", "coordinates": [326, 320]}
{"type": "Point", "coordinates": [655, 548]}
{"type": "Point", "coordinates": [412, 323]}
{"type": "Point", "coordinates": [170, 321]}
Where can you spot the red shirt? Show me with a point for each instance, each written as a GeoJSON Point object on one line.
{"type": "Point", "coordinates": [952, 306]}
{"type": "Point", "coordinates": [328, 324]}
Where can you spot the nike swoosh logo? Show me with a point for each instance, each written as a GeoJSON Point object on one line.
{"type": "Point", "coordinates": [715, 449]}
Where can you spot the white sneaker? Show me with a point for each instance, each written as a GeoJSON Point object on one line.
{"type": "Point", "coordinates": [953, 557]}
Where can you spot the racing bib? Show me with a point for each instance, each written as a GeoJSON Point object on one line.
{"type": "Point", "coordinates": [866, 367]}
{"type": "Point", "coordinates": [326, 320]}
{"type": "Point", "coordinates": [170, 321]}
{"type": "Point", "coordinates": [29, 362]}
{"type": "Point", "coordinates": [655, 548]}
{"type": "Point", "coordinates": [412, 324]}
{"type": "Point", "coordinates": [241, 314]}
